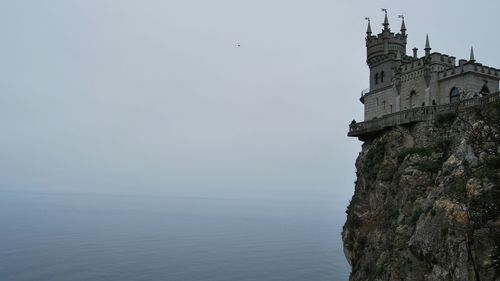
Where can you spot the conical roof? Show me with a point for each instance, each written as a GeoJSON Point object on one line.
{"type": "Point", "coordinates": [403, 26]}
{"type": "Point", "coordinates": [427, 44]}
{"type": "Point", "coordinates": [386, 20]}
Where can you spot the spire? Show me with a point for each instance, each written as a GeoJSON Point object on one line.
{"type": "Point", "coordinates": [403, 26]}
{"type": "Point", "coordinates": [427, 46]}
{"type": "Point", "coordinates": [472, 59]}
{"type": "Point", "coordinates": [369, 28]}
{"type": "Point", "coordinates": [386, 21]}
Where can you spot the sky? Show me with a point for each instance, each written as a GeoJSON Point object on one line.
{"type": "Point", "coordinates": [156, 97]}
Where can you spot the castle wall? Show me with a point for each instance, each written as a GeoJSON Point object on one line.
{"type": "Point", "coordinates": [468, 84]}
{"type": "Point", "coordinates": [378, 69]}
{"type": "Point", "coordinates": [413, 81]}
{"type": "Point", "coordinates": [404, 75]}
{"type": "Point", "coordinates": [380, 103]}
{"type": "Point", "coordinates": [386, 100]}
{"type": "Point", "coordinates": [434, 95]}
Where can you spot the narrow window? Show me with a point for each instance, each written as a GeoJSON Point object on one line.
{"type": "Point", "coordinates": [413, 99]}
{"type": "Point", "coordinates": [454, 95]}
{"type": "Point", "coordinates": [376, 78]}
{"type": "Point", "coordinates": [382, 75]}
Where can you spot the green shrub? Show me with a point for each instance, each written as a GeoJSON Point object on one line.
{"type": "Point", "coordinates": [380, 270]}
{"type": "Point", "coordinates": [446, 118]}
{"type": "Point", "coordinates": [428, 165]}
{"type": "Point", "coordinates": [422, 151]}
{"type": "Point", "coordinates": [493, 163]}
{"type": "Point", "coordinates": [486, 206]}
{"type": "Point", "coordinates": [444, 231]}
{"type": "Point", "coordinates": [414, 216]}
{"type": "Point", "coordinates": [373, 158]}
{"type": "Point", "coordinates": [457, 189]}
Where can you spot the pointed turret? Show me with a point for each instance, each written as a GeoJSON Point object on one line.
{"type": "Point", "coordinates": [384, 46]}
{"type": "Point", "coordinates": [403, 26]}
{"type": "Point", "coordinates": [472, 59]}
{"type": "Point", "coordinates": [386, 20]}
{"type": "Point", "coordinates": [427, 46]}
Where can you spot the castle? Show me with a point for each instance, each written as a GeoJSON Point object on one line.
{"type": "Point", "coordinates": [401, 84]}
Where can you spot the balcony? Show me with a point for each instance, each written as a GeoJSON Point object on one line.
{"type": "Point", "coordinates": [419, 114]}
{"type": "Point", "coordinates": [363, 94]}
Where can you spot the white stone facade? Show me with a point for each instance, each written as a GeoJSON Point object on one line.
{"type": "Point", "coordinates": [399, 81]}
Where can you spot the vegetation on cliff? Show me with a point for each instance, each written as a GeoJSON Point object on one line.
{"type": "Point", "coordinates": [427, 201]}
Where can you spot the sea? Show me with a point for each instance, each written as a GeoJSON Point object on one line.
{"type": "Point", "coordinates": [74, 237]}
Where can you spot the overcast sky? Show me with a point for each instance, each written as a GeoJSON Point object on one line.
{"type": "Point", "coordinates": [156, 97]}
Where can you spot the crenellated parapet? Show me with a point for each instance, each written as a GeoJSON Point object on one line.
{"type": "Point", "coordinates": [465, 67]}
{"type": "Point", "coordinates": [385, 45]}
{"type": "Point", "coordinates": [400, 82]}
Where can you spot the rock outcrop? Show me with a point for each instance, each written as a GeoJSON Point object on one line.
{"type": "Point", "coordinates": [427, 201]}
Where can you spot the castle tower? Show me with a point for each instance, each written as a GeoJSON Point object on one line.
{"type": "Point", "coordinates": [404, 88]}
{"type": "Point", "coordinates": [383, 53]}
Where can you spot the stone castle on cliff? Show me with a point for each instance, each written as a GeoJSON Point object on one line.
{"type": "Point", "coordinates": [408, 88]}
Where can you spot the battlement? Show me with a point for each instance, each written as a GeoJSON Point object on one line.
{"type": "Point", "coordinates": [385, 45]}
{"type": "Point", "coordinates": [438, 58]}
{"type": "Point", "coordinates": [402, 83]}
{"type": "Point", "coordinates": [469, 67]}
{"type": "Point", "coordinates": [443, 60]}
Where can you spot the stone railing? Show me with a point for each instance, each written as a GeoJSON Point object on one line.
{"type": "Point", "coordinates": [424, 113]}
{"type": "Point", "coordinates": [363, 94]}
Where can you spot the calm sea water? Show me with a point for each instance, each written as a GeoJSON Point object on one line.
{"type": "Point", "coordinates": [47, 237]}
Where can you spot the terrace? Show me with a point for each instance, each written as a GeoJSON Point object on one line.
{"type": "Point", "coordinates": [419, 114]}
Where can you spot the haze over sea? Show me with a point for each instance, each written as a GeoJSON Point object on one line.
{"type": "Point", "coordinates": [73, 237]}
{"type": "Point", "coordinates": [191, 140]}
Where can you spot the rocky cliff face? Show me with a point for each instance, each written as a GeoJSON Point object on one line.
{"type": "Point", "coordinates": [427, 201]}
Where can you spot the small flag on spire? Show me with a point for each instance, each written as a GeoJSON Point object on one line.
{"type": "Point", "coordinates": [386, 20]}
{"type": "Point", "coordinates": [403, 26]}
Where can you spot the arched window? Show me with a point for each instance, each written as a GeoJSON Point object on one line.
{"type": "Point", "coordinates": [376, 78]}
{"type": "Point", "coordinates": [485, 90]}
{"type": "Point", "coordinates": [413, 99]}
{"type": "Point", "coordinates": [382, 75]}
{"type": "Point", "coordinates": [454, 95]}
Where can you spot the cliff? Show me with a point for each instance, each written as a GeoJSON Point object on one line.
{"type": "Point", "coordinates": [427, 201]}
